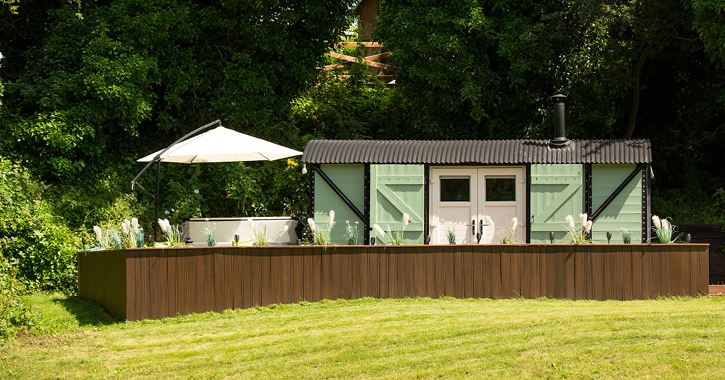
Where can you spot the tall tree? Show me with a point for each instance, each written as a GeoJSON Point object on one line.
{"type": "Point", "coordinates": [84, 97]}
{"type": "Point", "coordinates": [484, 69]}
{"type": "Point", "coordinates": [80, 87]}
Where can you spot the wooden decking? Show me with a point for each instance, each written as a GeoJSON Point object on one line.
{"type": "Point", "coordinates": [157, 283]}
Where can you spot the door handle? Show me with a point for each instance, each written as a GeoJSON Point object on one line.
{"type": "Point", "coordinates": [473, 226]}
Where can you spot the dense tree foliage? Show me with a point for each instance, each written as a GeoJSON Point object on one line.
{"type": "Point", "coordinates": [86, 96]}
{"type": "Point", "coordinates": [145, 68]}
{"type": "Point", "coordinates": [89, 86]}
{"type": "Point", "coordinates": [484, 69]}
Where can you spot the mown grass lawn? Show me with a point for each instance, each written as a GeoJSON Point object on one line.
{"type": "Point", "coordinates": [369, 338]}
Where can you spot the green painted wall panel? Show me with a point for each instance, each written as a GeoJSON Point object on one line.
{"type": "Point", "coordinates": [394, 190]}
{"type": "Point", "coordinates": [557, 190]}
{"type": "Point", "coordinates": [350, 180]}
{"type": "Point", "coordinates": [626, 209]}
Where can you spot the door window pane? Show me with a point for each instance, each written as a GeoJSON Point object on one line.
{"type": "Point", "coordinates": [501, 189]}
{"type": "Point", "coordinates": [455, 189]}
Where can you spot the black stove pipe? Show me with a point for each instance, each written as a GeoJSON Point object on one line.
{"type": "Point", "coordinates": [559, 140]}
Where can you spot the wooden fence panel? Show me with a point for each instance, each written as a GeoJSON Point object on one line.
{"type": "Point", "coordinates": [610, 270]}
{"type": "Point", "coordinates": [155, 283]}
{"type": "Point", "coordinates": [430, 274]}
{"type": "Point", "coordinates": [569, 266]}
{"type": "Point", "coordinates": [704, 267]}
{"type": "Point", "coordinates": [550, 271]}
{"type": "Point", "coordinates": [485, 274]}
{"type": "Point", "coordinates": [580, 287]}
{"type": "Point", "coordinates": [635, 291]}
{"type": "Point", "coordinates": [496, 275]}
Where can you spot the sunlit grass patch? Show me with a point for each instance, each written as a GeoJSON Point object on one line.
{"type": "Point", "coordinates": [408, 338]}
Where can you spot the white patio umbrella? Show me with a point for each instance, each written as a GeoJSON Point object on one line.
{"type": "Point", "coordinates": [221, 145]}
{"type": "Point", "coordinates": [217, 145]}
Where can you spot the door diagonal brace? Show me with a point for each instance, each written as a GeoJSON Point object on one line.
{"type": "Point", "coordinates": [616, 192]}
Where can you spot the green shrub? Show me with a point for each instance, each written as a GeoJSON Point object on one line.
{"type": "Point", "coordinates": [14, 315]}
{"type": "Point", "coordinates": [38, 243]}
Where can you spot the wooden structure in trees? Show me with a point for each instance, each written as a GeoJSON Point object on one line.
{"type": "Point", "coordinates": [374, 55]}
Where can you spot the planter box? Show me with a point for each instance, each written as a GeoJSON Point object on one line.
{"type": "Point", "coordinates": [148, 283]}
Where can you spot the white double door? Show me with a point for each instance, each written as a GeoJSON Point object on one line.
{"type": "Point", "coordinates": [461, 197]}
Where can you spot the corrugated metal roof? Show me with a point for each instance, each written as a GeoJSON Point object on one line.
{"type": "Point", "coordinates": [476, 152]}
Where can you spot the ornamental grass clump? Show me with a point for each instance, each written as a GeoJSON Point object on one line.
{"type": "Point", "coordinates": [260, 234]}
{"type": "Point", "coordinates": [626, 236]}
{"type": "Point", "coordinates": [451, 233]}
{"type": "Point", "coordinates": [396, 237]}
{"type": "Point", "coordinates": [174, 237]}
{"type": "Point", "coordinates": [132, 234]}
{"type": "Point", "coordinates": [351, 232]}
{"type": "Point", "coordinates": [665, 230]}
{"type": "Point", "coordinates": [578, 234]}
{"type": "Point", "coordinates": [321, 235]}
{"type": "Point", "coordinates": [108, 239]}
{"type": "Point", "coordinates": [209, 235]}
{"type": "Point", "coordinates": [507, 236]}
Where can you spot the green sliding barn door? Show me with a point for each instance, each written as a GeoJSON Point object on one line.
{"type": "Point", "coordinates": [556, 191]}
{"type": "Point", "coordinates": [625, 211]}
{"type": "Point", "coordinates": [394, 190]}
{"type": "Point", "coordinates": [350, 180]}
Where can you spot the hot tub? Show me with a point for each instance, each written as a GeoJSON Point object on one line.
{"type": "Point", "coordinates": [226, 228]}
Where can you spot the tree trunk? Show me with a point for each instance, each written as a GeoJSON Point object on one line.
{"type": "Point", "coordinates": [635, 91]}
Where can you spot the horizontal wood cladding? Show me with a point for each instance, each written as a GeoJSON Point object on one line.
{"type": "Point", "coordinates": [167, 282]}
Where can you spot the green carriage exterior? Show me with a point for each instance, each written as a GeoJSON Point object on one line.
{"type": "Point", "coordinates": [374, 182]}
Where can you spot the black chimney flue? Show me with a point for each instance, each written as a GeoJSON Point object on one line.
{"type": "Point", "coordinates": [559, 140]}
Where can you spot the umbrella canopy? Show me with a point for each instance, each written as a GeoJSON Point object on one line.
{"type": "Point", "coordinates": [222, 145]}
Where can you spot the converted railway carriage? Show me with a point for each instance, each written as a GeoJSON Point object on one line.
{"type": "Point", "coordinates": [446, 185]}
{"type": "Point", "coordinates": [442, 186]}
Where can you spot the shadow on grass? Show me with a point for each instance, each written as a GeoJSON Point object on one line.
{"type": "Point", "coordinates": [87, 313]}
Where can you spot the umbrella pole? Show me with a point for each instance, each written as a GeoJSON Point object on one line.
{"type": "Point", "coordinates": [158, 201]}
{"type": "Point", "coordinates": [158, 173]}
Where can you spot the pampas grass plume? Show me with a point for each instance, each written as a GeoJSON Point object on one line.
{"type": "Point", "coordinates": [311, 223]}
{"type": "Point", "coordinates": [331, 218]}
{"type": "Point", "coordinates": [379, 230]}
{"type": "Point", "coordinates": [570, 220]}
{"type": "Point", "coordinates": [162, 225]}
